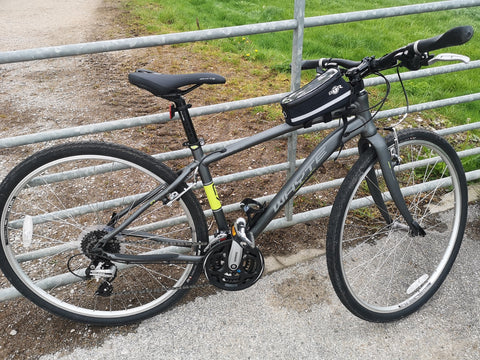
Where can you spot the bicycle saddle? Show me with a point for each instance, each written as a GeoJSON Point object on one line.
{"type": "Point", "coordinates": [169, 85]}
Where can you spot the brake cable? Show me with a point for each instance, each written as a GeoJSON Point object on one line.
{"type": "Point", "coordinates": [404, 116]}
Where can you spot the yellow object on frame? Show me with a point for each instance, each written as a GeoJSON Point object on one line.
{"type": "Point", "coordinates": [212, 196]}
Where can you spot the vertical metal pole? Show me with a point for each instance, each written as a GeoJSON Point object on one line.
{"type": "Point", "coordinates": [297, 57]}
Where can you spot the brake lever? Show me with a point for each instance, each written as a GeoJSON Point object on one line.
{"type": "Point", "coordinates": [449, 57]}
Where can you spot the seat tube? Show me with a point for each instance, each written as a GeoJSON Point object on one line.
{"type": "Point", "coordinates": [195, 146]}
{"type": "Point", "coordinates": [212, 195]}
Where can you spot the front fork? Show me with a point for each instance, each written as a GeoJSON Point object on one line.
{"type": "Point", "coordinates": [384, 157]}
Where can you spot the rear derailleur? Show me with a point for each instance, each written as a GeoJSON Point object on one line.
{"type": "Point", "coordinates": [105, 271]}
{"type": "Point", "coordinates": [99, 268]}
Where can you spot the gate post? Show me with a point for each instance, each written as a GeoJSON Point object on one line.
{"type": "Point", "coordinates": [296, 69]}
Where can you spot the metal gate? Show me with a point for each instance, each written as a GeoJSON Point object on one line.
{"type": "Point", "coordinates": [297, 24]}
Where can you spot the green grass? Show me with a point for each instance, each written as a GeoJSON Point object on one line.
{"type": "Point", "coordinates": [351, 40]}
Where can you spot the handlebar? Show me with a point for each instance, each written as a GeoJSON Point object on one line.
{"type": "Point", "coordinates": [412, 56]}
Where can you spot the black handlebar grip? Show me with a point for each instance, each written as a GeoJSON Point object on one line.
{"type": "Point", "coordinates": [310, 64]}
{"type": "Point", "coordinates": [453, 37]}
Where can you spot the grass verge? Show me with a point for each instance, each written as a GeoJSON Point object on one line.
{"type": "Point", "coordinates": [350, 40]}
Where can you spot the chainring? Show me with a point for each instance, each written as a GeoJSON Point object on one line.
{"type": "Point", "coordinates": [218, 273]}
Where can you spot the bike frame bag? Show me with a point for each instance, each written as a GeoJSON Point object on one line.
{"type": "Point", "coordinates": [320, 97]}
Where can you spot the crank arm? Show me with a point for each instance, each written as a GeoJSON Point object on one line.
{"type": "Point", "coordinates": [240, 241]}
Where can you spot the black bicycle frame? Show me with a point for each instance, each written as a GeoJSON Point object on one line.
{"type": "Point", "coordinates": [362, 124]}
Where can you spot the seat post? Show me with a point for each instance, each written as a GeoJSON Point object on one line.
{"type": "Point", "coordinates": [182, 108]}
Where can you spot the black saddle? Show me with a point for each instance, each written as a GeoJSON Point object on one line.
{"type": "Point", "coordinates": [168, 86]}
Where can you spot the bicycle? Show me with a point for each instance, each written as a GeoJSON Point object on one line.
{"type": "Point", "coordinates": [105, 234]}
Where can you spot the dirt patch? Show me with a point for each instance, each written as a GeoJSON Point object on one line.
{"type": "Point", "coordinates": [302, 291]}
{"type": "Point", "coordinates": [473, 229]}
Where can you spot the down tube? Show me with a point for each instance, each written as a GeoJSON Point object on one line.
{"type": "Point", "coordinates": [301, 175]}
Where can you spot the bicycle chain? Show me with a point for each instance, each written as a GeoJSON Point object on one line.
{"type": "Point", "coordinates": [164, 289]}
{"type": "Point", "coordinates": [183, 244]}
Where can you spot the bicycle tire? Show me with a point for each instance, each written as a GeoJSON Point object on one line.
{"type": "Point", "coordinates": [380, 272]}
{"type": "Point", "coordinates": [48, 221]}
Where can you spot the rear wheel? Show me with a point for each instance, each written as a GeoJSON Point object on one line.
{"type": "Point", "coordinates": [378, 269]}
{"type": "Point", "coordinates": [56, 205]}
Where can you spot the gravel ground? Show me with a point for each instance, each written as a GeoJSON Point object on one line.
{"type": "Point", "coordinates": [49, 91]}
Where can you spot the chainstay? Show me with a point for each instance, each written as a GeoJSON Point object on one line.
{"type": "Point", "coordinates": [165, 288]}
{"type": "Point", "coordinates": [172, 243]}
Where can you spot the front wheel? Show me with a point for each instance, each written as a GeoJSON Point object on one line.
{"type": "Point", "coordinates": [378, 269]}
{"type": "Point", "coordinates": [56, 205]}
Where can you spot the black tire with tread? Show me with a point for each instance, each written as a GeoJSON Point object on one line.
{"type": "Point", "coordinates": [341, 259]}
{"type": "Point", "coordinates": [18, 273]}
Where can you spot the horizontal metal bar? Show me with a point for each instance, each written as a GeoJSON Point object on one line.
{"type": "Point", "coordinates": [134, 122]}
{"type": "Point", "coordinates": [50, 251]}
{"type": "Point", "coordinates": [225, 32]}
{"type": "Point", "coordinates": [204, 110]}
{"type": "Point", "coordinates": [388, 12]}
{"type": "Point", "coordinates": [429, 105]}
{"type": "Point", "coordinates": [144, 41]}
{"type": "Point", "coordinates": [68, 278]}
{"type": "Point", "coordinates": [325, 211]}
{"type": "Point", "coordinates": [78, 211]}
{"type": "Point", "coordinates": [424, 72]}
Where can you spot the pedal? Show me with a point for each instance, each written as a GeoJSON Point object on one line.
{"type": "Point", "coordinates": [253, 209]}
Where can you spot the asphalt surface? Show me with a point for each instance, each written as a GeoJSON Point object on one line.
{"type": "Point", "coordinates": [294, 314]}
